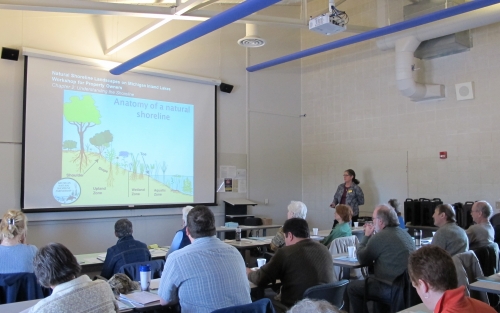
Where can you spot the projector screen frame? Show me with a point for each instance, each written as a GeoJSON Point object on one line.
{"type": "Point", "coordinates": [65, 58]}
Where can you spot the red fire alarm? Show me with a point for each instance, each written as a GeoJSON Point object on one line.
{"type": "Point", "coordinates": [443, 155]}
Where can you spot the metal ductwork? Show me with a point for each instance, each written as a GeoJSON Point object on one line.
{"type": "Point", "coordinates": [252, 39]}
{"type": "Point", "coordinates": [405, 48]}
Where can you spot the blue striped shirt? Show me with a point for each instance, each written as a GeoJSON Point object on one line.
{"type": "Point", "coordinates": [205, 276]}
{"type": "Point", "coordinates": [17, 259]}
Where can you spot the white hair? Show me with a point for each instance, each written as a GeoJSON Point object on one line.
{"type": "Point", "coordinates": [313, 306]}
{"type": "Point", "coordinates": [298, 209]}
{"type": "Point", "coordinates": [185, 212]}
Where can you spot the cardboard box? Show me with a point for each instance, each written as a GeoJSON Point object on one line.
{"type": "Point", "coordinates": [266, 221]}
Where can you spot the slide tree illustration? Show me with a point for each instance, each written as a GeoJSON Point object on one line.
{"type": "Point", "coordinates": [101, 140]}
{"type": "Point", "coordinates": [69, 144]}
{"type": "Point", "coordinates": [83, 114]}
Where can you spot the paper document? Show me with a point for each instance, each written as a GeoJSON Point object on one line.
{"type": "Point", "coordinates": [102, 257]}
{"type": "Point", "coordinates": [346, 258]}
{"type": "Point", "coordinates": [141, 297]}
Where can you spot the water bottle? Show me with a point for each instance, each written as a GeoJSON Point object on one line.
{"type": "Point", "coordinates": [418, 235]}
{"type": "Point", "coordinates": [145, 271]}
{"type": "Point", "coordinates": [238, 234]}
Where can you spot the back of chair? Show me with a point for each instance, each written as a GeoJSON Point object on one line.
{"type": "Point", "coordinates": [468, 268]}
{"type": "Point", "coordinates": [260, 306]}
{"type": "Point", "coordinates": [333, 292]}
{"type": "Point", "coordinates": [18, 287]}
{"type": "Point", "coordinates": [132, 269]}
{"type": "Point", "coordinates": [340, 245]}
{"type": "Point", "coordinates": [488, 258]}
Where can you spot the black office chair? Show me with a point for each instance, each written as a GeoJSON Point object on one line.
{"type": "Point", "coordinates": [132, 269]}
{"type": "Point", "coordinates": [403, 294]}
{"type": "Point", "coordinates": [259, 306]}
{"type": "Point", "coordinates": [488, 260]}
{"type": "Point", "coordinates": [333, 292]}
{"type": "Point", "coordinates": [18, 287]}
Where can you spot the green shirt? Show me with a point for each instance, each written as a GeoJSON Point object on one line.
{"type": "Point", "coordinates": [340, 230]}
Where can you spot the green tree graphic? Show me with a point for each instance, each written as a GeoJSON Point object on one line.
{"type": "Point", "coordinates": [83, 114]}
{"type": "Point", "coordinates": [69, 144]}
{"type": "Point", "coordinates": [101, 140]}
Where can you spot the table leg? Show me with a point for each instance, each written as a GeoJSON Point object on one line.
{"type": "Point", "coordinates": [264, 232]}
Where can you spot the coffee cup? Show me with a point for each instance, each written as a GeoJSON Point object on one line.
{"type": "Point", "coordinates": [260, 262]}
{"type": "Point", "coordinates": [351, 250]}
{"type": "Point", "coordinates": [356, 224]}
{"type": "Point", "coordinates": [315, 231]}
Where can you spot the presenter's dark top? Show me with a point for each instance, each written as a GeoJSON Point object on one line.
{"type": "Point", "coordinates": [180, 240]}
{"type": "Point", "coordinates": [127, 250]}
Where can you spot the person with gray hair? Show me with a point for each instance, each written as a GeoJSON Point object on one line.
{"type": "Point", "coordinates": [57, 268]}
{"type": "Point", "coordinates": [295, 209]}
{"type": "Point", "coordinates": [181, 238]}
{"type": "Point", "coordinates": [127, 250]}
{"type": "Point", "coordinates": [449, 236]}
{"type": "Point", "coordinates": [314, 306]}
{"type": "Point", "coordinates": [481, 233]}
{"type": "Point", "coordinates": [386, 247]}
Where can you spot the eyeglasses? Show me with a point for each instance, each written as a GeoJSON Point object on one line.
{"type": "Point", "coordinates": [346, 175]}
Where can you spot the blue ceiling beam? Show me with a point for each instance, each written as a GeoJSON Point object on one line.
{"type": "Point", "coordinates": [414, 22]}
{"type": "Point", "coordinates": [220, 20]}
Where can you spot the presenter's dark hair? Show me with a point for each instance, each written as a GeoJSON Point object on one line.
{"type": "Point", "coordinates": [433, 265]}
{"type": "Point", "coordinates": [297, 226]}
{"type": "Point", "coordinates": [123, 227]}
{"type": "Point", "coordinates": [54, 264]}
{"type": "Point", "coordinates": [353, 174]}
{"type": "Point", "coordinates": [201, 222]}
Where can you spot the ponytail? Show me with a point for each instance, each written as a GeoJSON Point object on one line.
{"type": "Point", "coordinates": [353, 174]}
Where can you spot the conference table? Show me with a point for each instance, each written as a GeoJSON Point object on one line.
{"type": "Point", "coordinates": [93, 262]}
{"type": "Point", "coordinates": [221, 230]}
{"type": "Point", "coordinates": [419, 308]}
{"type": "Point", "coordinates": [490, 284]}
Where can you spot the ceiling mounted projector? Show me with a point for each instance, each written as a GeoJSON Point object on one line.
{"type": "Point", "coordinates": [252, 39]}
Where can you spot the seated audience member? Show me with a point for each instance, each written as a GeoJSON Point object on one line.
{"type": "Point", "coordinates": [343, 215]}
{"type": "Point", "coordinates": [301, 264]}
{"type": "Point", "coordinates": [127, 250]}
{"type": "Point", "coordinates": [433, 275]}
{"type": "Point", "coordinates": [295, 209]}
{"type": "Point", "coordinates": [314, 306]}
{"type": "Point", "coordinates": [57, 268]}
{"type": "Point", "coordinates": [481, 233]}
{"type": "Point", "coordinates": [387, 247]}
{"type": "Point", "coordinates": [395, 204]}
{"type": "Point", "coordinates": [16, 256]}
{"type": "Point", "coordinates": [206, 275]}
{"type": "Point", "coordinates": [449, 236]}
{"type": "Point", "coordinates": [181, 239]}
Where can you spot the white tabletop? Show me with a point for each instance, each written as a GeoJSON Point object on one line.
{"type": "Point", "coordinates": [486, 286]}
{"type": "Point", "coordinates": [249, 243]}
{"type": "Point", "coordinates": [419, 308]}
{"type": "Point", "coordinates": [91, 258]}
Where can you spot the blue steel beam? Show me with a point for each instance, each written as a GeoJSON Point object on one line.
{"type": "Point", "coordinates": [417, 21]}
{"type": "Point", "coordinates": [220, 20]}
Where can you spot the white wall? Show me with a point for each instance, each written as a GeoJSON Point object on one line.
{"type": "Point", "coordinates": [262, 109]}
{"type": "Point", "coordinates": [356, 118]}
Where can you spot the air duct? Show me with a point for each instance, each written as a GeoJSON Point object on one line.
{"type": "Point", "coordinates": [405, 48]}
{"type": "Point", "coordinates": [252, 39]}
{"type": "Point", "coordinates": [449, 14]}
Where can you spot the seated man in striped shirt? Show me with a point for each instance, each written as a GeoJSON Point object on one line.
{"type": "Point", "coordinates": [206, 275]}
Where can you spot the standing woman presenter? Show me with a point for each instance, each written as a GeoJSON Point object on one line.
{"type": "Point", "coordinates": [350, 194]}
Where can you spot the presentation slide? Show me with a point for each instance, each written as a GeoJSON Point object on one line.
{"type": "Point", "coordinates": [97, 141]}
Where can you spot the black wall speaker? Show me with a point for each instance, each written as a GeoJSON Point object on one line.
{"type": "Point", "coordinates": [10, 54]}
{"type": "Point", "coordinates": [226, 88]}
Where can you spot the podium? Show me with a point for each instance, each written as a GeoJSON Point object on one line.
{"type": "Point", "coordinates": [236, 211]}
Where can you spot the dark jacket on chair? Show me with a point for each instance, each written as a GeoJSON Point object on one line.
{"type": "Point", "coordinates": [18, 287]}
{"type": "Point", "coordinates": [127, 250]}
